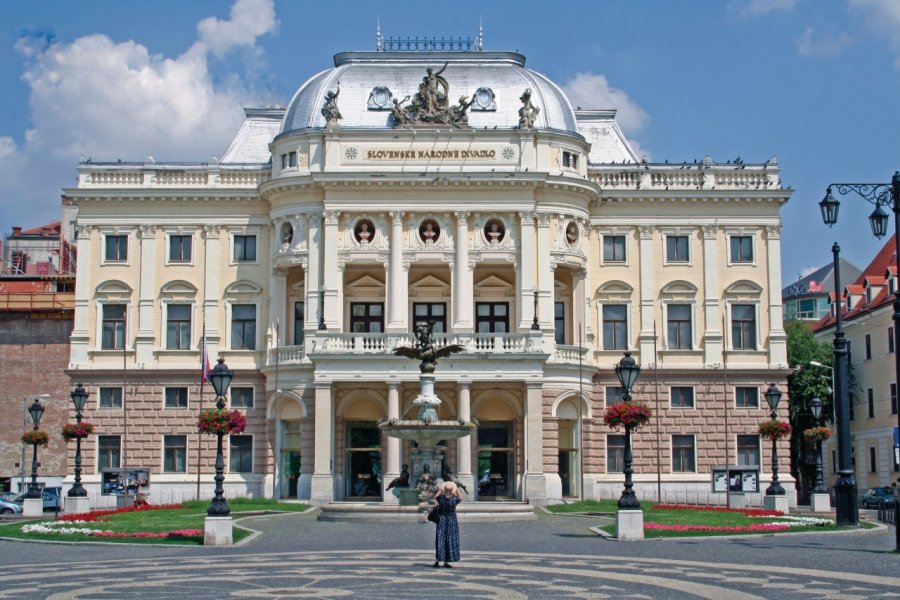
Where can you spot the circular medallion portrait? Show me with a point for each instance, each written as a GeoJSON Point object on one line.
{"type": "Point", "coordinates": [364, 231]}
{"type": "Point", "coordinates": [429, 231]}
{"type": "Point", "coordinates": [494, 231]}
{"type": "Point", "coordinates": [572, 233]}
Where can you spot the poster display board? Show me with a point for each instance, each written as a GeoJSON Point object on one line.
{"type": "Point", "coordinates": [737, 478]}
{"type": "Point", "coordinates": [113, 482]}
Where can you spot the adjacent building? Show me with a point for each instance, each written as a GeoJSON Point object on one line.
{"type": "Point", "coordinates": [808, 299]}
{"type": "Point", "coordinates": [458, 187]}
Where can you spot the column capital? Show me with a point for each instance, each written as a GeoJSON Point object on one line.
{"type": "Point", "coordinates": [527, 217]}
{"type": "Point", "coordinates": [710, 232]}
{"type": "Point", "coordinates": [83, 232]}
{"type": "Point", "coordinates": [464, 385]}
{"type": "Point", "coordinates": [394, 385]}
{"type": "Point", "coordinates": [210, 231]}
{"type": "Point", "coordinates": [646, 231]}
{"type": "Point", "coordinates": [773, 232]}
{"type": "Point", "coordinates": [397, 217]}
{"type": "Point", "coordinates": [147, 232]}
{"type": "Point", "coordinates": [543, 219]}
{"type": "Point", "coordinates": [331, 216]}
{"type": "Point", "coordinates": [462, 217]}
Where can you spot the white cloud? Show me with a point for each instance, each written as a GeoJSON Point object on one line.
{"type": "Point", "coordinates": [755, 8]}
{"type": "Point", "coordinates": [883, 18]}
{"type": "Point", "coordinates": [592, 91]}
{"type": "Point", "coordinates": [108, 100]}
{"type": "Point", "coordinates": [808, 44]}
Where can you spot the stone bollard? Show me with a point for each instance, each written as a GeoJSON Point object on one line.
{"type": "Point", "coordinates": [33, 507]}
{"type": "Point", "coordinates": [77, 504]}
{"type": "Point", "coordinates": [218, 531]}
{"type": "Point", "coordinates": [629, 524]}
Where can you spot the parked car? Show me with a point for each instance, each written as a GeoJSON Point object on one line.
{"type": "Point", "coordinates": [7, 507]}
{"type": "Point", "coordinates": [873, 496]}
{"type": "Point", "coordinates": [51, 496]}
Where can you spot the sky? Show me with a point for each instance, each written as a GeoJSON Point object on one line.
{"type": "Point", "coordinates": [814, 83]}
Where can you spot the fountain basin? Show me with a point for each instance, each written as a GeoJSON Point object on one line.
{"type": "Point", "coordinates": [427, 435]}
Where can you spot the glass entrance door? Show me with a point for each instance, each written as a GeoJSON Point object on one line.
{"type": "Point", "coordinates": [363, 461]}
{"type": "Point", "coordinates": [496, 461]}
{"type": "Point", "coordinates": [569, 467]}
{"type": "Point", "coordinates": [290, 458]}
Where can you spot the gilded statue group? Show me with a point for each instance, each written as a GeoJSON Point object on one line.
{"type": "Point", "coordinates": [431, 106]}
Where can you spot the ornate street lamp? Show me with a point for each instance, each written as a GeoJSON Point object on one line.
{"type": "Point", "coordinates": [535, 325]}
{"type": "Point", "coordinates": [880, 195]}
{"type": "Point", "coordinates": [79, 398]}
{"type": "Point", "coordinates": [627, 371]}
{"type": "Point", "coordinates": [36, 410]}
{"type": "Point", "coordinates": [220, 377]}
{"type": "Point", "coordinates": [815, 406]}
{"type": "Point", "coordinates": [773, 397]}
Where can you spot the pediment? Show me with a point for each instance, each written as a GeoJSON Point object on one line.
{"type": "Point", "coordinates": [744, 287]}
{"type": "Point", "coordinates": [113, 290]}
{"type": "Point", "coordinates": [366, 281]}
{"type": "Point", "coordinates": [429, 286]}
{"type": "Point", "coordinates": [243, 287]}
{"type": "Point", "coordinates": [178, 286]}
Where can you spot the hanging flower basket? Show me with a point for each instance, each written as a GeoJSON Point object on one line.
{"type": "Point", "coordinates": [74, 431]}
{"type": "Point", "coordinates": [221, 421]}
{"type": "Point", "coordinates": [774, 430]}
{"type": "Point", "coordinates": [816, 434]}
{"type": "Point", "coordinates": [631, 415]}
{"type": "Point", "coordinates": [36, 437]}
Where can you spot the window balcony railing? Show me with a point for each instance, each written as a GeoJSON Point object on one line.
{"type": "Point", "coordinates": [569, 354]}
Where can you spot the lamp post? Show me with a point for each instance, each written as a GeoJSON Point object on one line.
{"type": "Point", "coordinates": [36, 410]}
{"type": "Point", "coordinates": [815, 406]}
{"type": "Point", "coordinates": [220, 377]}
{"type": "Point", "coordinates": [627, 371]}
{"type": "Point", "coordinates": [535, 324]}
{"type": "Point", "coordinates": [879, 195]}
{"type": "Point", "coordinates": [79, 398]}
{"type": "Point", "coordinates": [773, 397]}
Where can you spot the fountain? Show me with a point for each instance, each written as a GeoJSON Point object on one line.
{"type": "Point", "coordinates": [427, 429]}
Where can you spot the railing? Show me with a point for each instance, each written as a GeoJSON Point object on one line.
{"type": "Point", "coordinates": [887, 512]}
{"type": "Point", "coordinates": [285, 355]}
{"type": "Point", "coordinates": [33, 301]}
{"type": "Point", "coordinates": [569, 354]}
{"type": "Point", "coordinates": [148, 176]}
{"type": "Point", "coordinates": [686, 176]}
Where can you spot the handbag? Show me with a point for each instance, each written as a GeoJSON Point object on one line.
{"type": "Point", "coordinates": [433, 515]}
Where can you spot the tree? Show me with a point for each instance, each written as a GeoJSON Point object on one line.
{"type": "Point", "coordinates": [805, 383]}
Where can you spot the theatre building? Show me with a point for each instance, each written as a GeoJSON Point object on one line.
{"type": "Point", "coordinates": [453, 186]}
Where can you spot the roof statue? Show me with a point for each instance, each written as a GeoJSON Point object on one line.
{"type": "Point", "coordinates": [425, 350]}
{"type": "Point", "coordinates": [330, 110]}
{"type": "Point", "coordinates": [430, 105]}
{"type": "Point", "coordinates": [529, 112]}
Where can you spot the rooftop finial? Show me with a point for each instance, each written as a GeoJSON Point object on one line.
{"type": "Point", "coordinates": [379, 41]}
{"type": "Point", "coordinates": [479, 41]}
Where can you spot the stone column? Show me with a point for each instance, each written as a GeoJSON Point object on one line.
{"type": "Point", "coordinates": [527, 268]}
{"type": "Point", "coordinates": [210, 314]}
{"type": "Point", "coordinates": [544, 274]}
{"type": "Point", "coordinates": [579, 304]}
{"type": "Point", "coordinates": [647, 295]}
{"type": "Point", "coordinates": [777, 335]}
{"type": "Point", "coordinates": [464, 444]}
{"type": "Point", "coordinates": [323, 463]}
{"type": "Point", "coordinates": [313, 275]}
{"type": "Point", "coordinates": [396, 296]}
{"type": "Point", "coordinates": [83, 289]}
{"type": "Point", "coordinates": [278, 319]}
{"type": "Point", "coordinates": [462, 276]}
{"type": "Point", "coordinates": [392, 464]}
{"type": "Point", "coordinates": [535, 481]}
{"type": "Point", "coordinates": [331, 275]}
{"type": "Point", "coordinates": [712, 330]}
{"type": "Point", "coordinates": [144, 339]}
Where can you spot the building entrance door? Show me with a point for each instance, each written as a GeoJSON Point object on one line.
{"type": "Point", "coordinates": [290, 458]}
{"type": "Point", "coordinates": [362, 462]}
{"type": "Point", "coordinates": [496, 461]}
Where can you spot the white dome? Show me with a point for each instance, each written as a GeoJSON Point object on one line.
{"type": "Point", "coordinates": [359, 74]}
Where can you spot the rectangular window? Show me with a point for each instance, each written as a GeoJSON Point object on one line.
{"type": "Point", "coordinates": [244, 248]}
{"type": "Point", "coordinates": [176, 397]}
{"type": "Point", "coordinates": [615, 327]}
{"type": "Point", "coordinates": [241, 397]}
{"type": "Point", "coordinates": [679, 327]}
{"type": "Point", "coordinates": [492, 317]}
{"type": "Point", "coordinates": [873, 463]}
{"type": "Point", "coordinates": [180, 248]}
{"type": "Point", "coordinates": [113, 327]}
{"type": "Point", "coordinates": [742, 248]}
{"type": "Point", "coordinates": [748, 450]}
{"type": "Point", "coordinates": [870, 398]}
{"type": "Point", "coordinates": [175, 454]}
{"type": "Point", "coordinates": [292, 159]}
{"type": "Point", "coordinates": [890, 344]}
{"type": "Point", "coordinates": [109, 452]}
{"type": "Point", "coordinates": [178, 326]}
{"type": "Point", "coordinates": [613, 248]}
{"type": "Point", "coordinates": [116, 248]}
{"type": "Point", "coordinates": [677, 248]}
{"type": "Point", "coordinates": [743, 326]}
{"type": "Point", "coordinates": [243, 327]}
{"type": "Point", "coordinates": [367, 317]}
{"type": "Point", "coordinates": [110, 397]}
{"type": "Point", "coordinates": [240, 454]}
{"type": "Point", "coordinates": [615, 453]}
{"type": "Point", "coordinates": [613, 395]}
{"type": "Point", "coordinates": [570, 160]}
{"type": "Point", "coordinates": [559, 322]}
{"type": "Point", "coordinates": [683, 456]}
{"type": "Point", "coordinates": [868, 346]}
{"type": "Point", "coordinates": [299, 320]}
{"type": "Point", "coordinates": [431, 311]}
{"type": "Point", "coordinates": [746, 397]}
{"type": "Point", "coordinates": [682, 396]}
{"type": "Point", "coordinates": [284, 161]}
{"type": "Point", "coordinates": [893, 398]}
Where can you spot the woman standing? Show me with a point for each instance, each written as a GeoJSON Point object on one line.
{"type": "Point", "coordinates": [446, 538]}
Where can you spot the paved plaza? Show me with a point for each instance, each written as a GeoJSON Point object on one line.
{"type": "Point", "coordinates": [296, 556]}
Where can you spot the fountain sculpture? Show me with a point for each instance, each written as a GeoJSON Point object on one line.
{"type": "Point", "coordinates": [427, 430]}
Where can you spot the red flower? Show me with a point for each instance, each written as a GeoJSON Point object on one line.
{"type": "Point", "coordinates": [215, 421]}
{"type": "Point", "coordinates": [631, 415]}
{"type": "Point", "coordinates": [816, 434]}
{"type": "Point", "coordinates": [774, 430]}
{"type": "Point", "coordinates": [71, 431]}
{"type": "Point", "coordinates": [36, 437]}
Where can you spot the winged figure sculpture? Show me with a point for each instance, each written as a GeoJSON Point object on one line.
{"type": "Point", "coordinates": [425, 350]}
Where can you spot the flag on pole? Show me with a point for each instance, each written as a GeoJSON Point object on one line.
{"type": "Point", "coordinates": [204, 364]}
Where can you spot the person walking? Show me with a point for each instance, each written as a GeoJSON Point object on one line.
{"type": "Point", "coordinates": [446, 537]}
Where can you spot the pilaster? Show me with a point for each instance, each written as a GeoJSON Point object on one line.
{"type": "Point", "coordinates": [462, 276]}
{"type": "Point", "coordinates": [210, 315]}
{"type": "Point", "coordinates": [396, 277]}
{"type": "Point", "coordinates": [331, 275]}
{"type": "Point", "coordinates": [712, 334]}
{"type": "Point", "coordinates": [535, 481]}
{"type": "Point", "coordinates": [313, 275]}
{"type": "Point", "coordinates": [144, 339]}
{"type": "Point", "coordinates": [648, 302]}
{"type": "Point", "coordinates": [544, 272]}
{"type": "Point", "coordinates": [80, 335]}
{"type": "Point", "coordinates": [323, 462]}
{"type": "Point", "coordinates": [777, 335]}
{"type": "Point", "coordinates": [527, 276]}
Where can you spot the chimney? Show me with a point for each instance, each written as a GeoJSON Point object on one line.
{"type": "Point", "coordinates": [16, 231]}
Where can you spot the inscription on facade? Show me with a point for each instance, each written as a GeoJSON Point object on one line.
{"type": "Point", "coordinates": [430, 154]}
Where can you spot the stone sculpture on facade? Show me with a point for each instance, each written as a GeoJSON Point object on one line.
{"type": "Point", "coordinates": [529, 112]}
{"type": "Point", "coordinates": [430, 105]}
{"type": "Point", "coordinates": [330, 109]}
{"type": "Point", "coordinates": [425, 350]}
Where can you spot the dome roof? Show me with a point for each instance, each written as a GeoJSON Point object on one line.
{"type": "Point", "coordinates": [369, 81]}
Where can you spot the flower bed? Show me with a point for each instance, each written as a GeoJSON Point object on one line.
{"type": "Point", "coordinates": [65, 528]}
{"type": "Point", "coordinates": [735, 529]}
{"type": "Point", "coordinates": [750, 512]}
{"type": "Point", "coordinates": [96, 515]}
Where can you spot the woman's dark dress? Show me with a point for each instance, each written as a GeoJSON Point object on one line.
{"type": "Point", "coordinates": [446, 541]}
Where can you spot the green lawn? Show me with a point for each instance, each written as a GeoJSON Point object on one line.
{"type": "Point", "coordinates": [190, 516]}
{"type": "Point", "coordinates": [687, 517]}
